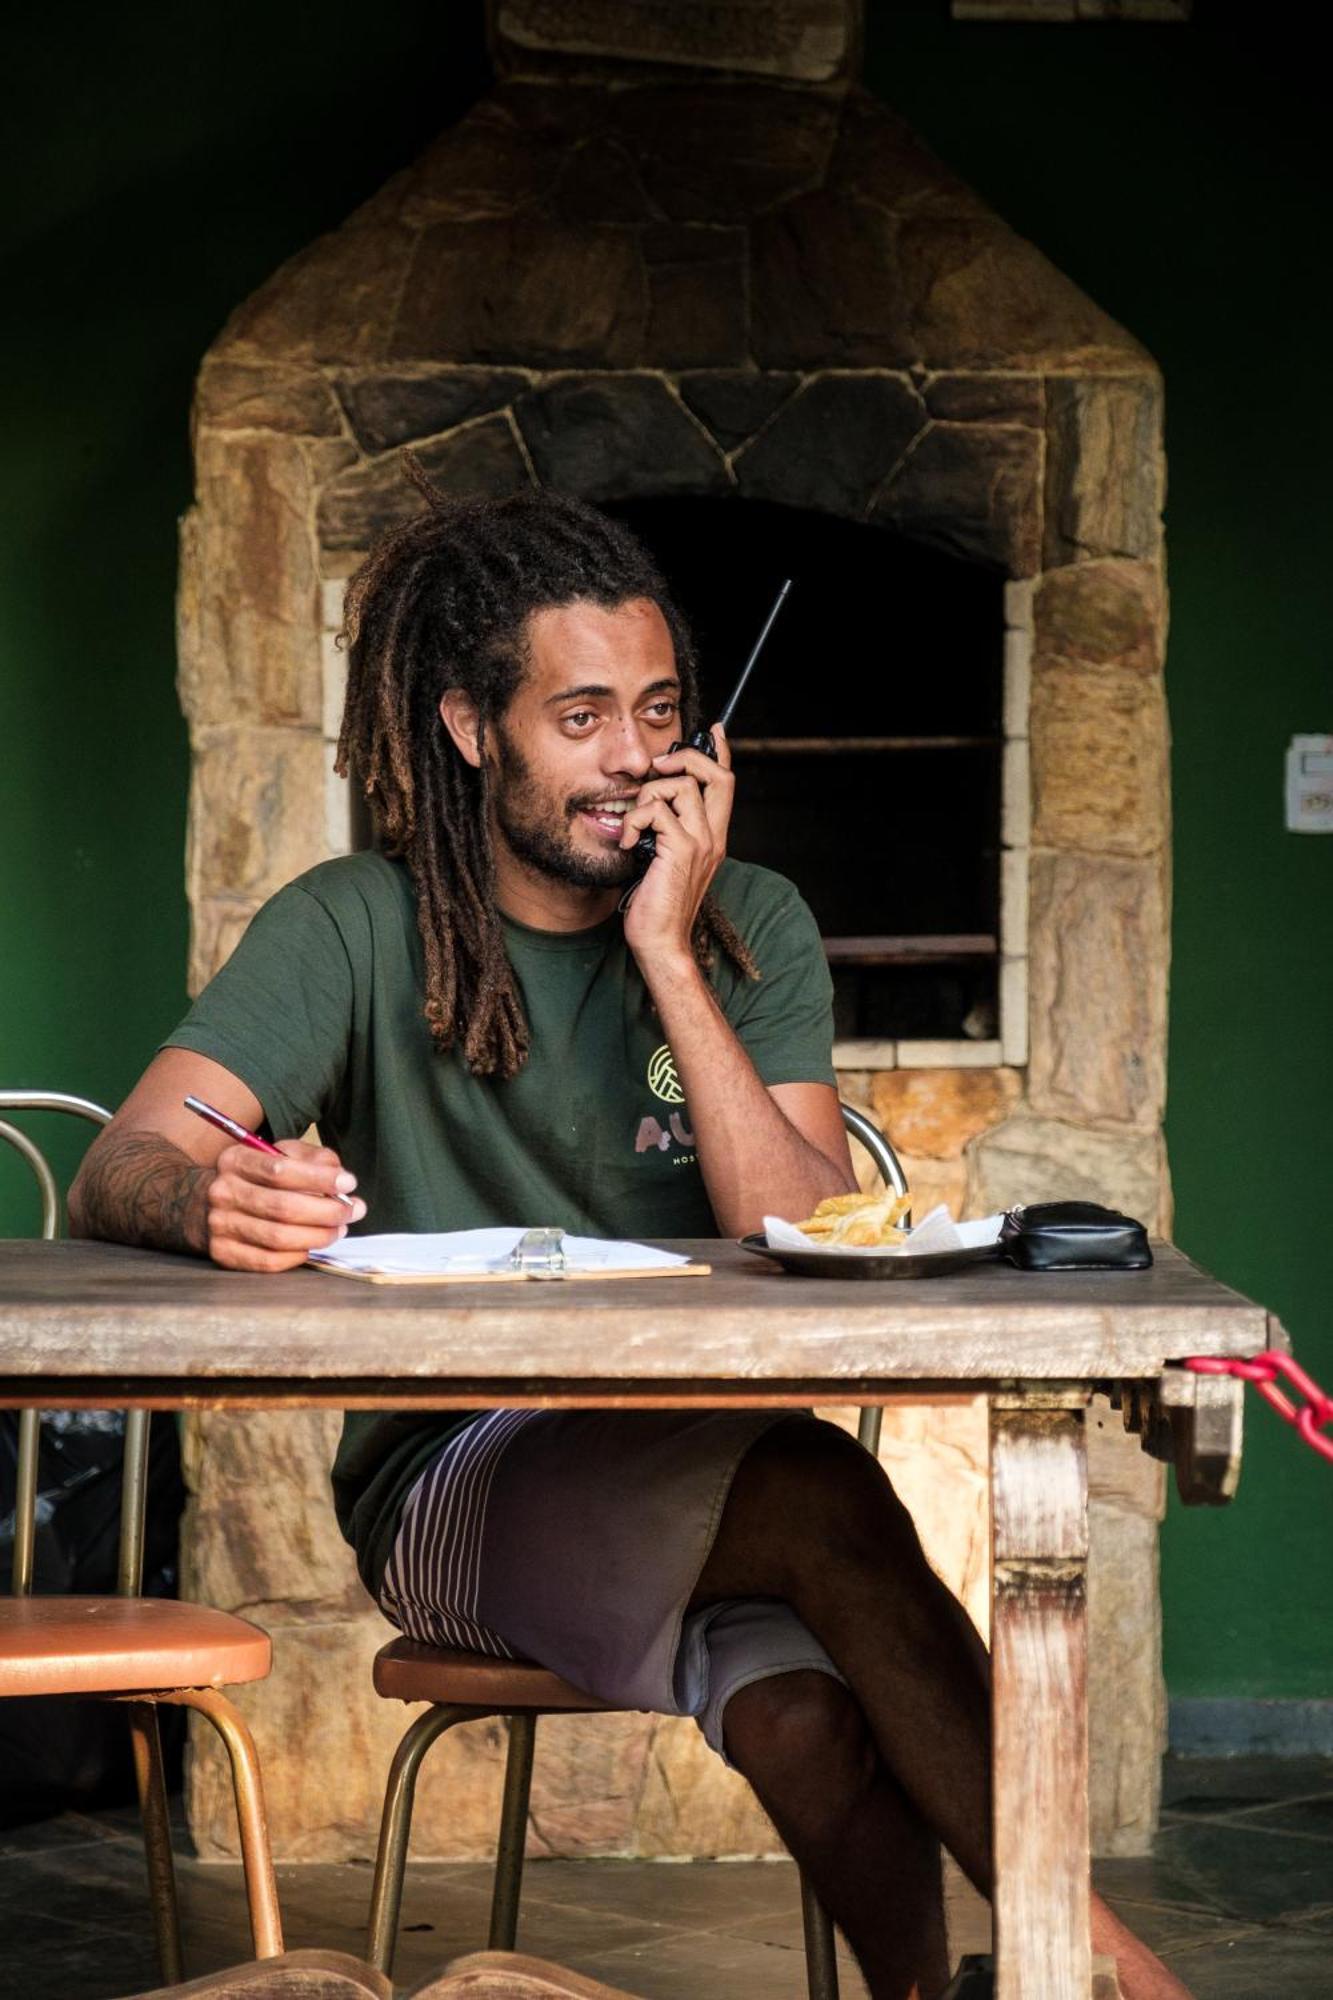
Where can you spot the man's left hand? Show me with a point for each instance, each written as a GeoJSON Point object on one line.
{"type": "Point", "coordinates": [687, 803]}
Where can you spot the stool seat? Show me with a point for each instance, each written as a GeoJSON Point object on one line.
{"type": "Point", "coordinates": [406, 1670]}
{"type": "Point", "coordinates": [109, 1645]}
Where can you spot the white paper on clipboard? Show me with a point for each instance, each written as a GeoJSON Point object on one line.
{"type": "Point", "coordinates": [481, 1252]}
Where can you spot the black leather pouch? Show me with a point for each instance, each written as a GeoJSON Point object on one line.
{"type": "Point", "coordinates": [1073, 1236]}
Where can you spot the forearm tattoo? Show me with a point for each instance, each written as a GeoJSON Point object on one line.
{"type": "Point", "coordinates": [137, 1188]}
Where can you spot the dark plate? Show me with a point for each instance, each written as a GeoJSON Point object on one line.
{"type": "Point", "coordinates": [827, 1264]}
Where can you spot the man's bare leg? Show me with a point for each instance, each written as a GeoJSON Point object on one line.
{"type": "Point", "coordinates": [812, 1519]}
{"type": "Point", "coordinates": [805, 1746]}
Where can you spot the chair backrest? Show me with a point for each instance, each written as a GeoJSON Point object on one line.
{"type": "Point", "coordinates": [881, 1152]}
{"type": "Point", "coordinates": [44, 1100]}
{"type": "Point", "coordinates": [891, 1172]}
{"type": "Point", "coordinates": [134, 1477]}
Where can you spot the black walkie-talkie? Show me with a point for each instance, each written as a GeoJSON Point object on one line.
{"type": "Point", "coordinates": [645, 847]}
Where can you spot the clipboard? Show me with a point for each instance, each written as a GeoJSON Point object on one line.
{"type": "Point", "coordinates": [512, 1277]}
{"type": "Point", "coordinates": [538, 1255]}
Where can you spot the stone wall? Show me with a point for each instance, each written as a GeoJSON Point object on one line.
{"type": "Point", "coordinates": [809, 41]}
{"type": "Point", "coordinates": [706, 289]}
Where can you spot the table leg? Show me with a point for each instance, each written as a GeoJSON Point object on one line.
{"type": "Point", "coordinates": [1039, 1502]}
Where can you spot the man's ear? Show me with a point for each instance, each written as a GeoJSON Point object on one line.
{"type": "Point", "coordinates": [459, 714]}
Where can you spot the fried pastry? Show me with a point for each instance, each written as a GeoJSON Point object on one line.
{"type": "Point", "coordinates": [861, 1221]}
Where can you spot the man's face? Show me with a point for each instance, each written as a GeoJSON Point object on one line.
{"type": "Point", "coordinates": [600, 699]}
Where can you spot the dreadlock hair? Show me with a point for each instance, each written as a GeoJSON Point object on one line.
{"type": "Point", "coordinates": [443, 602]}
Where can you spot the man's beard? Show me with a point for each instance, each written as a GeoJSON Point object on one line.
{"type": "Point", "coordinates": [537, 829]}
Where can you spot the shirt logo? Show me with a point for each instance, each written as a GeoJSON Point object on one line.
{"type": "Point", "coordinates": [662, 1078]}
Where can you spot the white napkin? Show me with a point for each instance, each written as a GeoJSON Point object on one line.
{"type": "Point", "coordinates": [935, 1232]}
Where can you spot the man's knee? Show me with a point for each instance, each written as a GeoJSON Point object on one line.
{"type": "Point", "coordinates": [808, 1508]}
{"type": "Point", "coordinates": [818, 1487]}
{"type": "Point", "coordinates": [803, 1743]}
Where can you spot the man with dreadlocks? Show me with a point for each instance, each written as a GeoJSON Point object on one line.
{"type": "Point", "coordinates": [487, 1031]}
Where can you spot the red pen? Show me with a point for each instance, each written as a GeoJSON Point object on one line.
{"type": "Point", "coordinates": [211, 1113]}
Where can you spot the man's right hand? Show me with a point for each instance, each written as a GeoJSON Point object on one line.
{"type": "Point", "coordinates": [264, 1214]}
{"type": "Point", "coordinates": [161, 1178]}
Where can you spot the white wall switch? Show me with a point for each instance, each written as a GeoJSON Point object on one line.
{"type": "Point", "coordinates": [1310, 784]}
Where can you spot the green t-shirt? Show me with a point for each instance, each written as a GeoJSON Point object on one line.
{"type": "Point", "coordinates": [319, 1012]}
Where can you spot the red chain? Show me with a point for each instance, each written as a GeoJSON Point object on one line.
{"type": "Point", "coordinates": [1309, 1417]}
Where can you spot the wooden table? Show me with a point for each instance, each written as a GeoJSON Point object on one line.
{"type": "Point", "coordinates": [99, 1325]}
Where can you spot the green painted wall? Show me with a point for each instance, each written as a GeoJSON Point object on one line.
{"type": "Point", "coordinates": [166, 160]}
{"type": "Point", "coordinates": [1178, 174]}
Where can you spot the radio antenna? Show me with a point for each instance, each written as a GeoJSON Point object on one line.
{"type": "Point", "coordinates": [748, 668]}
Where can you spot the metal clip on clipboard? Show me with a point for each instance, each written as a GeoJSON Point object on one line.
{"type": "Point", "coordinates": [540, 1253]}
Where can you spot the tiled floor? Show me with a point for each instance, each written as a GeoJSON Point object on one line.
{"type": "Point", "coordinates": [1238, 1898]}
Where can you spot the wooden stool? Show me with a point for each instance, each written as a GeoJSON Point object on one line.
{"type": "Point", "coordinates": [143, 1651]}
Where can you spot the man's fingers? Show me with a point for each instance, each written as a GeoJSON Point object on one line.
{"type": "Point", "coordinates": [278, 1204]}
{"type": "Point", "coordinates": [298, 1149]}
{"type": "Point", "coordinates": [645, 814]}
{"type": "Point", "coordinates": [302, 1168]}
{"type": "Point", "coordinates": [260, 1232]}
{"type": "Point", "coordinates": [233, 1255]}
{"type": "Point", "coordinates": [697, 765]}
{"type": "Point", "coordinates": [668, 804]}
{"type": "Point", "coordinates": [688, 804]}
{"type": "Point", "coordinates": [715, 781]}
{"type": "Point", "coordinates": [317, 1156]}
{"type": "Point", "coordinates": [673, 838]}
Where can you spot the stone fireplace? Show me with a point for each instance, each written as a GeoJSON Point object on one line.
{"type": "Point", "coordinates": [677, 254]}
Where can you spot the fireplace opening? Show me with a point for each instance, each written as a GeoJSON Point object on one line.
{"type": "Point", "coordinates": [868, 744]}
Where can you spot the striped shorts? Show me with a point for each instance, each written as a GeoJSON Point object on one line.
{"type": "Point", "coordinates": [575, 1538]}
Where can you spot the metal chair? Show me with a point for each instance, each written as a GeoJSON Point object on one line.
{"type": "Point", "coordinates": [470, 1687]}
{"type": "Point", "coordinates": [141, 1651]}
